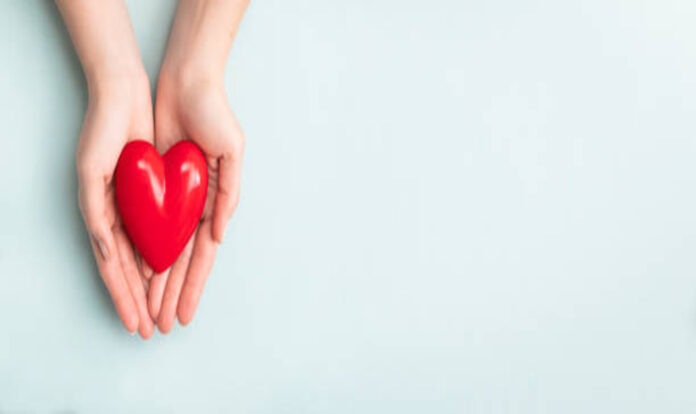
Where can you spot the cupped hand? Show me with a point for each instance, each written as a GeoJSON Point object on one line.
{"type": "Point", "coordinates": [119, 111]}
{"type": "Point", "coordinates": [196, 108]}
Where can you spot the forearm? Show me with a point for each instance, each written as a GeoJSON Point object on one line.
{"type": "Point", "coordinates": [104, 40]}
{"type": "Point", "coordinates": [201, 38]}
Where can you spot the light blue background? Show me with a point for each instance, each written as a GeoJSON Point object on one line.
{"type": "Point", "coordinates": [448, 207]}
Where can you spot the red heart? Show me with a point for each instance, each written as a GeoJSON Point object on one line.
{"type": "Point", "coordinates": [161, 199]}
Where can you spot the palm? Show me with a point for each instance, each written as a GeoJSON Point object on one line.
{"type": "Point", "coordinates": [202, 115]}
{"type": "Point", "coordinates": [111, 121]}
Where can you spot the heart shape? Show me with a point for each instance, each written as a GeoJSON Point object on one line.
{"type": "Point", "coordinates": [161, 198]}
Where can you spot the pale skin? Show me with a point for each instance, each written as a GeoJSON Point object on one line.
{"type": "Point", "coordinates": [191, 104]}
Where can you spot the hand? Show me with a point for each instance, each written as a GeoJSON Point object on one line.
{"type": "Point", "coordinates": [191, 104]}
{"type": "Point", "coordinates": [119, 111]}
{"type": "Point", "coordinates": [196, 109]}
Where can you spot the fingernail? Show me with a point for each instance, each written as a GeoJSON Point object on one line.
{"type": "Point", "coordinates": [102, 247]}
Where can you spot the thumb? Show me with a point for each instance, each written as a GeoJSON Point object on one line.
{"type": "Point", "coordinates": [92, 201]}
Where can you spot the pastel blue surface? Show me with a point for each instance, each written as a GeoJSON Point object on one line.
{"type": "Point", "coordinates": [447, 207]}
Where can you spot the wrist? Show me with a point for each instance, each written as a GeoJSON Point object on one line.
{"type": "Point", "coordinates": [201, 39]}
{"type": "Point", "coordinates": [190, 74]}
{"type": "Point", "coordinates": [119, 79]}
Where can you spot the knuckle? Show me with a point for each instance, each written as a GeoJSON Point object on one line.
{"type": "Point", "coordinates": [234, 203]}
{"type": "Point", "coordinates": [238, 141]}
{"type": "Point", "coordinates": [86, 168]}
{"type": "Point", "coordinates": [237, 153]}
{"type": "Point", "coordinates": [170, 296]}
{"type": "Point", "coordinates": [91, 218]}
{"type": "Point", "coordinates": [92, 224]}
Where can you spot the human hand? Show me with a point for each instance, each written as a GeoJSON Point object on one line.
{"type": "Point", "coordinates": [119, 111]}
{"type": "Point", "coordinates": [196, 109]}
{"type": "Point", "coordinates": [191, 104]}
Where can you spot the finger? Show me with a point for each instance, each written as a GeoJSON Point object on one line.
{"type": "Point", "coordinates": [112, 275]}
{"type": "Point", "coordinates": [167, 314]}
{"type": "Point", "coordinates": [227, 198]}
{"type": "Point", "coordinates": [157, 285]}
{"type": "Point", "coordinates": [145, 269]}
{"type": "Point", "coordinates": [198, 271]}
{"type": "Point", "coordinates": [92, 201]}
{"type": "Point", "coordinates": [92, 195]}
{"type": "Point", "coordinates": [130, 270]}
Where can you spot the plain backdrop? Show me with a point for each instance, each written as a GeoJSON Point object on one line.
{"type": "Point", "coordinates": [447, 207]}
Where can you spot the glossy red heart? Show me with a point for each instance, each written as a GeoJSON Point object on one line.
{"type": "Point", "coordinates": [161, 198]}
